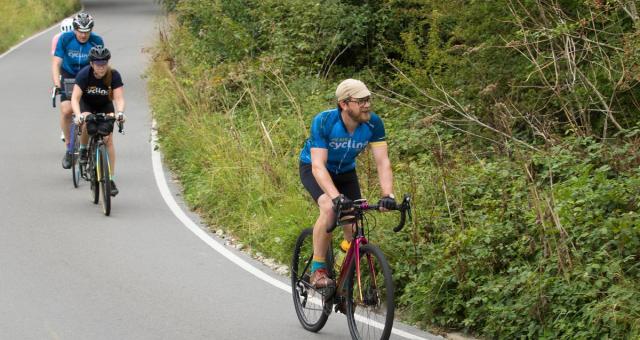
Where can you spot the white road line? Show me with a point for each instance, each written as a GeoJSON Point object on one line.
{"type": "Point", "coordinates": [179, 213]}
{"type": "Point", "coordinates": [204, 236]}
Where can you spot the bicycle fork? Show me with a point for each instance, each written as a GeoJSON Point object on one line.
{"type": "Point", "coordinates": [353, 254]}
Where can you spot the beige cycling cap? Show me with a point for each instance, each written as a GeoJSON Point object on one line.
{"type": "Point", "coordinates": [351, 88]}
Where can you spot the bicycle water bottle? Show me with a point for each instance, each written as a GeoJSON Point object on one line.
{"type": "Point", "coordinates": [342, 252]}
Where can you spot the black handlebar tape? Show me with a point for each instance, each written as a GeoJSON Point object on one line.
{"type": "Point", "coordinates": [335, 224]}
{"type": "Point", "coordinates": [53, 96]}
{"type": "Point", "coordinates": [404, 208]}
{"type": "Point", "coordinates": [401, 224]}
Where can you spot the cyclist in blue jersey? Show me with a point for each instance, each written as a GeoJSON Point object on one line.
{"type": "Point", "coordinates": [328, 165]}
{"type": "Point", "coordinates": [72, 54]}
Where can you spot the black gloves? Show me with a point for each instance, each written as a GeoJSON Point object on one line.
{"type": "Point", "coordinates": [342, 202]}
{"type": "Point", "coordinates": [387, 202]}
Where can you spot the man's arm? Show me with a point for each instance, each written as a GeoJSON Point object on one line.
{"type": "Point", "coordinates": [383, 165]}
{"type": "Point", "coordinates": [319, 169]}
{"type": "Point", "coordinates": [56, 62]}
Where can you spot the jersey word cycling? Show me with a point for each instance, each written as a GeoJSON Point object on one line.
{"type": "Point", "coordinates": [329, 132]}
{"type": "Point", "coordinates": [74, 54]}
{"type": "Point", "coordinates": [95, 92]}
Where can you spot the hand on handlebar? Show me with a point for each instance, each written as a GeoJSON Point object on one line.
{"type": "Point", "coordinates": [78, 119]}
{"type": "Point", "coordinates": [342, 203]}
{"type": "Point", "coordinates": [120, 118]}
{"type": "Point", "coordinates": [387, 203]}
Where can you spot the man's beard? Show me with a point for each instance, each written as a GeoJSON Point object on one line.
{"type": "Point", "coordinates": [362, 117]}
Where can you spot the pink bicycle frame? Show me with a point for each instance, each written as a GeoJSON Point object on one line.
{"type": "Point", "coordinates": [352, 254]}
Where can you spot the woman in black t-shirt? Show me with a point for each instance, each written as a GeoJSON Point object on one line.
{"type": "Point", "coordinates": [98, 87]}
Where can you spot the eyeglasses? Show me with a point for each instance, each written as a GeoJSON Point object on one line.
{"type": "Point", "coordinates": [361, 101]}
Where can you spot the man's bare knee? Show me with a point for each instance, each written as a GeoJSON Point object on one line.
{"type": "Point", "coordinates": [325, 205]}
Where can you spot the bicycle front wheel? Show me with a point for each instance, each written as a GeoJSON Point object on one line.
{"type": "Point", "coordinates": [105, 180]}
{"type": "Point", "coordinates": [312, 306]}
{"type": "Point", "coordinates": [370, 301]}
{"type": "Point", "coordinates": [94, 163]}
{"type": "Point", "coordinates": [75, 153]}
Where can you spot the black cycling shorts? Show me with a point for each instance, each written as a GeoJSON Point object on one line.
{"type": "Point", "coordinates": [107, 108]}
{"type": "Point", "coordinates": [346, 183]}
{"type": "Point", "coordinates": [64, 96]}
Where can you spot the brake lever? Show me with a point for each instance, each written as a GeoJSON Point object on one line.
{"type": "Point", "coordinates": [408, 206]}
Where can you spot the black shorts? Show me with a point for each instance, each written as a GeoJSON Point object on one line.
{"type": "Point", "coordinates": [107, 108]}
{"type": "Point", "coordinates": [64, 96]}
{"type": "Point", "coordinates": [346, 183]}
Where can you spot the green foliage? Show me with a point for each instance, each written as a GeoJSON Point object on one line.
{"type": "Point", "coordinates": [19, 19]}
{"type": "Point", "coordinates": [510, 271]}
{"type": "Point", "coordinates": [525, 183]}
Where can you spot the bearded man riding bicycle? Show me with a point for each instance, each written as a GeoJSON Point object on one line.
{"type": "Point", "coordinates": [97, 88]}
{"type": "Point", "coordinates": [327, 165]}
{"type": "Point", "coordinates": [72, 54]}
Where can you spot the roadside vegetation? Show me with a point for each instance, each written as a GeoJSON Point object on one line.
{"type": "Point", "coordinates": [513, 124]}
{"type": "Point", "coordinates": [20, 19]}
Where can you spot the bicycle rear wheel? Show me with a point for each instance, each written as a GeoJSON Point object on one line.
{"type": "Point", "coordinates": [312, 306]}
{"type": "Point", "coordinates": [105, 179]}
{"type": "Point", "coordinates": [75, 153]}
{"type": "Point", "coordinates": [370, 303]}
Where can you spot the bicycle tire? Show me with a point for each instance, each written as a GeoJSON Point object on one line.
{"type": "Point", "coordinates": [93, 176]}
{"type": "Point", "coordinates": [105, 179]}
{"type": "Point", "coordinates": [312, 308]}
{"type": "Point", "coordinates": [75, 165]}
{"type": "Point", "coordinates": [376, 303]}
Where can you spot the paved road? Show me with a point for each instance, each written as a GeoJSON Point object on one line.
{"type": "Point", "coordinates": [67, 271]}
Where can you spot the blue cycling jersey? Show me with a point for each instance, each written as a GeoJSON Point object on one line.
{"type": "Point", "coordinates": [74, 54]}
{"type": "Point", "coordinates": [329, 132]}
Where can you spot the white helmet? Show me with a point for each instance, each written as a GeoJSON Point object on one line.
{"type": "Point", "coordinates": [66, 25]}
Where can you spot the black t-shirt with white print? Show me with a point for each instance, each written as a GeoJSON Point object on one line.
{"type": "Point", "coordinates": [94, 92]}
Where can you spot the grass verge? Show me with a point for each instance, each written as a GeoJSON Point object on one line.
{"type": "Point", "coordinates": [20, 19]}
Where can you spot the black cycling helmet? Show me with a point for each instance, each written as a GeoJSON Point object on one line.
{"type": "Point", "coordinates": [99, 53]}
{"type": "Point", "coordinates": [83, 22]}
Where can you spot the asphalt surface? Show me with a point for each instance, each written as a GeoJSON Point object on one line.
{"type": "Point", "coordinates": [69, 272]}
